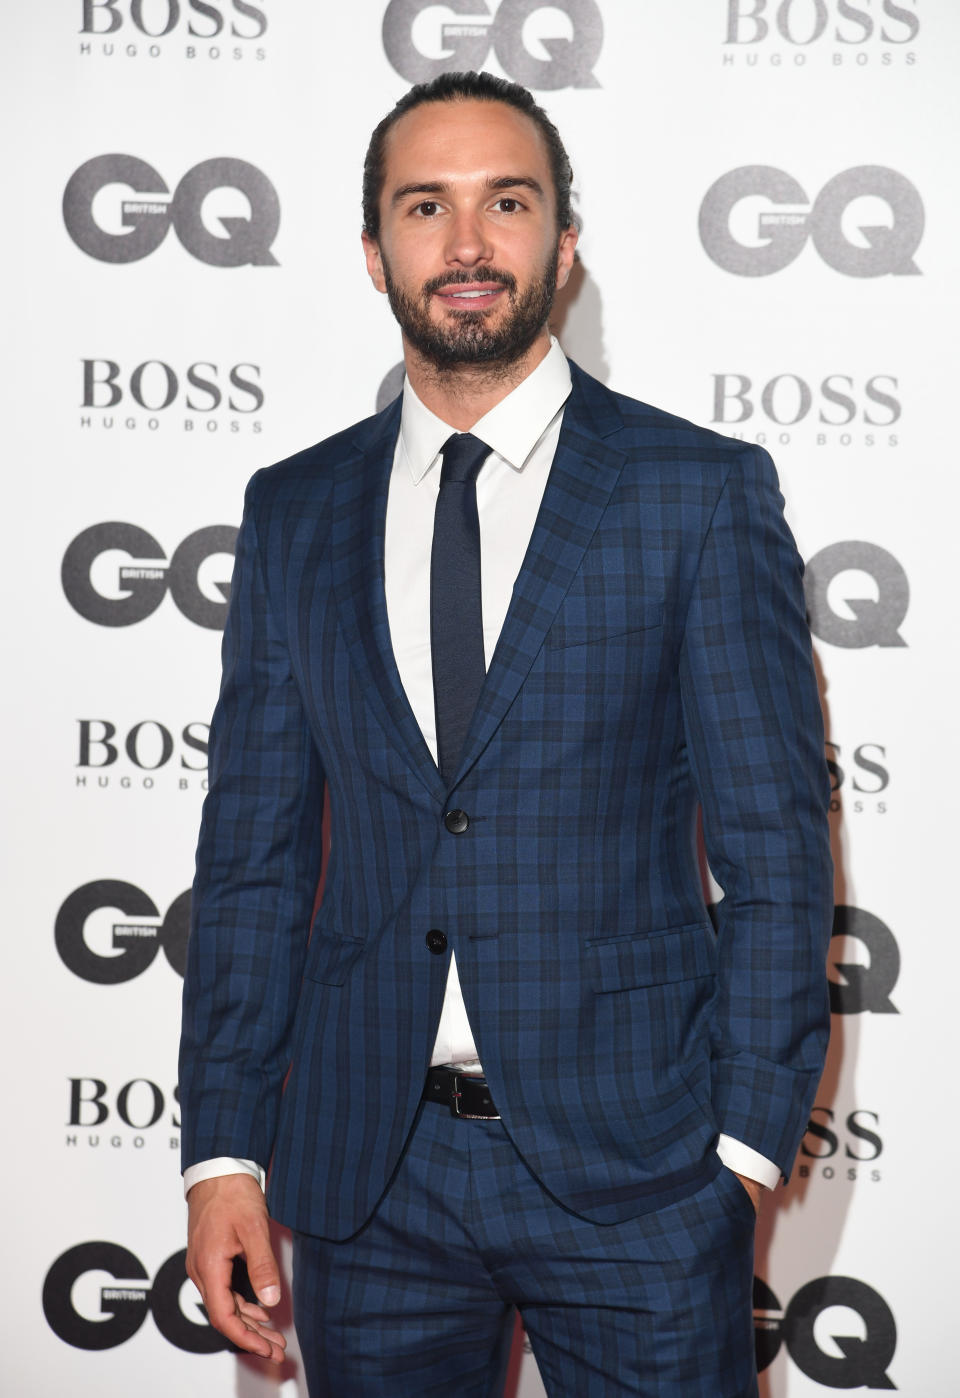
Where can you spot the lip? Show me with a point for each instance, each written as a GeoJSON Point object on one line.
{"type": "Point", "coordinates": [481, 294]}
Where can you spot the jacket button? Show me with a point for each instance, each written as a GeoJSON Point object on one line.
{"type": "Point", "coordinates": [437, 941]}
{"type": "Point", "coordinates": [456, 821]}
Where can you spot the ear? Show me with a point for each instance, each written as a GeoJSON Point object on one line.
{"type": "Point", "coordinates": [566, 248]}
{"type": "Point", "coordinates": [371, 253]}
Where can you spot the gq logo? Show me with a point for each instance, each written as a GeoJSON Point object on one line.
{"type": "Point", "coordinates": [856, 988]}
{"type": "Point", "coordinates": [782, 230]}
{"type": "Point", "coordinates": [88, 1315]}
{"type": "Point", "coordinates": [134, 943]}
{"type": "Point", "coordinates": [858, 1363]}
{"type": "Point", "coordinates": [570, 61]}
{"type": "Point", "coordinates": [873, 621]}
{"type": "Point", "coordinates": [244, 241]}
{"type": "Point", "coordinates": [143, 588]}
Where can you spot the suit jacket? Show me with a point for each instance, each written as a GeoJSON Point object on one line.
{"type": "Point", "coordinates": [655, 655]}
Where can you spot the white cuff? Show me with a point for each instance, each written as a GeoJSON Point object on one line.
{"type": "Point", "coordinates": [744, 1160]}
{"type": "Point", "coordinates": [221, 1165]}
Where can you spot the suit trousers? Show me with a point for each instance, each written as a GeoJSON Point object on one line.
{"type": "Point", "coordinates": [421, 1302]}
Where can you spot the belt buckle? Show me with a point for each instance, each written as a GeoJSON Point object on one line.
{"type": "Point", "coordinates": [457, 1095]}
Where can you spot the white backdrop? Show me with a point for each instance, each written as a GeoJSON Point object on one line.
{"type": "Point", "coordinates": [804, 301]}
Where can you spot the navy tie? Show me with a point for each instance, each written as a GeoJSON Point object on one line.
{"type": "Point", "coordinates": [456, 614]}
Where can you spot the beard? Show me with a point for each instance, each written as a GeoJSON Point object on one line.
{"type": "Point", "coordinates": [466, 337]}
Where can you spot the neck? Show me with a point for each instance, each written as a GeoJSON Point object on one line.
{"type": "Point", "coordinates": [461, 395]}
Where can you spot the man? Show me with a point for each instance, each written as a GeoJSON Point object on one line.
{"type": "Point", "coordinates": [519, 626]}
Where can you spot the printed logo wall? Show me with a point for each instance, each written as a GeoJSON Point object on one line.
{"type": "Point", "coordinates": [767, 232]}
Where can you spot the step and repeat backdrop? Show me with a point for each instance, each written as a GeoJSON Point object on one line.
{"type": "Point", "coordinates": [769, 227]}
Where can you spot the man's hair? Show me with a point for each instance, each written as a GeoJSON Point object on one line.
{"type": "Point", "coordinates": [462, 87]}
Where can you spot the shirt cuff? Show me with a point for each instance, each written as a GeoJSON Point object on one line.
{"type": "Point", "coordinates": [221, 1165]}
{"type": "Point", "coordinates": [744, 1160]}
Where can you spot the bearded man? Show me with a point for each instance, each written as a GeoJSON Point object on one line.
{"type": "Point", "coordinates": [520, 628]}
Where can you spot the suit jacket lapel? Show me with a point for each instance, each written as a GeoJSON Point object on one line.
{"type": "Point", "coordinates": [359, 516]}
{"type": "Point", "coordinates": [583, 475]}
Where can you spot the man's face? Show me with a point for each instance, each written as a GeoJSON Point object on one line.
{"type": "Point", "coordinates": [469, 252]}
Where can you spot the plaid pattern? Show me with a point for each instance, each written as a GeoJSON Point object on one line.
{"type": "Point", "coordinates": [420, 1304]}
{"type": "Point", "coordinates": [655, 654]}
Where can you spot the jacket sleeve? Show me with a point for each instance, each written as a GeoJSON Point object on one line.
{"type": "Point", "coordinates": [755, 744]}
{"type": "Point", "coordinates": [258, 864]}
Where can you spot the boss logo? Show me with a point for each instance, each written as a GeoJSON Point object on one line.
{"type": "Point", "coordinates": [866, 621]}
{"type": "Point", "coordinates": [865, 1347]}
{"type": "Point", "coordinates": [141, 755]}
{"type": "Point", "coordinates": [468, 35]}
{"type": "Point", "coordinates": [783, 227]}
{"type": "Point", "coordinates": [860, 775]}
{"type": "Point", "coordinates": [157, 18]}
{"type": "Point", "coordinates": [155, 386]}
{"type": "Point", "coordinates": [142, 587]}
{"type": "Point", "coordinates": [801, 22]}
{"type": "Point", "coordinates": [868, 775]}
{"type": "Point", "coordinates": [244, 240]}
{"type": "Point", "coordinates": [148, 744]}
{"type": "Point", "coordinates": [139, 1103]}
{"type": "Point", "coordinates": [88, 1315]}
{"type": "Point", "coordinates": [855, 987]}
{"type": "Point", "coordinates": [787, 399]}
{"type": "Point", "coordinates": [834, 1146]}
{"type": "Point", "coordinates": [133, 944]}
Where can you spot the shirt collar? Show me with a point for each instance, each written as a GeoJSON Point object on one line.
{"type": "Point", "coordinates": [512, 428]}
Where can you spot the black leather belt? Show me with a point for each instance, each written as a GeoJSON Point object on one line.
{"type": "Point", "coordinates": [467, 1096]}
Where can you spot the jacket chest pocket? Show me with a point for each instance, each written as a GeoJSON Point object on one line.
{"type": "Point", "coordinates": [601, 615]}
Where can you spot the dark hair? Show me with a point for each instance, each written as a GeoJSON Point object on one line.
{"type": "Point", "coordinates": [454, 87]}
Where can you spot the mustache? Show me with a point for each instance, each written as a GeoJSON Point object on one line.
{"type": "Point", "coordinates": [489, 274]}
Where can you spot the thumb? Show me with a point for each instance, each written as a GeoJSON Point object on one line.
{"type": "Point", "coordinates": [262, 1268]}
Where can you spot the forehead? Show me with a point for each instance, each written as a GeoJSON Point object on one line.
{"type": "Point", "coordinates": [457, 140]}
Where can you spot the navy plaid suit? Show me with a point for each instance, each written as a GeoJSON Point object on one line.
{"type": "Point", "coordinates": [655, 654]}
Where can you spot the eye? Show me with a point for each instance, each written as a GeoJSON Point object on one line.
{"type": "Point", "coordinates": [427, 207]}
{"type": "Point", "coordinates": [508, 205]}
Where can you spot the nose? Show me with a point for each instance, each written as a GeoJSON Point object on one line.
{"type": "Point", "coordinates": [467, 241]}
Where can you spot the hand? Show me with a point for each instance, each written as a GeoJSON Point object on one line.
{"type": "Point", "coordinates": [753, 1188]}
{"type": "Point", "coordinates": [228, 1218]}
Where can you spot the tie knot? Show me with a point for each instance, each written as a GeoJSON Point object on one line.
{"type": "Point", "coordinates": [463, 455]}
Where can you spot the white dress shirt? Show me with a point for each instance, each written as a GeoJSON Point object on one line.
{"type": "Point", "coordinates": [522, 431]}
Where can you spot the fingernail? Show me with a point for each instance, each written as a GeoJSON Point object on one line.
{"type": "Point", "coordinates": [270, 1295]}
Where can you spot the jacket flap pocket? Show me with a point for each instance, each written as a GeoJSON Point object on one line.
{"type": "Point", "coordinates": [330, 958]}
{"type": "Point", "coordinates": [680, 954]}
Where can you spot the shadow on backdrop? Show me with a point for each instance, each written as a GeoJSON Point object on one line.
{"type": "Point", "coordinates": [820, 1243]}
{"type": "Point", "coordinates": [577, 322]}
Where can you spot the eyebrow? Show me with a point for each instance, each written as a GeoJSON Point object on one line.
{"type": "Point", "coordinates": [441, 187]}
